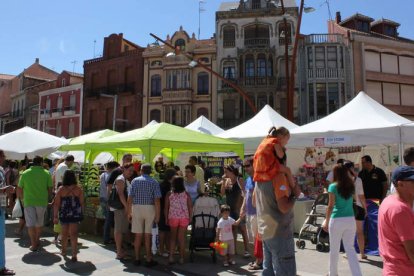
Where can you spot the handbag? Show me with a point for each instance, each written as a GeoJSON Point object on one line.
{"type": "Point", "coordinates": [17, 210]}
{"type": "Point", "coordinates": [114, 201]}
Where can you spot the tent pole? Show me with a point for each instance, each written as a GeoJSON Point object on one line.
{"type": "Point", "coordinates": [400, 148]}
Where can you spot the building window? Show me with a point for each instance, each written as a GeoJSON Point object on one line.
{"type": "Point", "coordinates": [261, 66]}
{"type": "Point", "coordinates": [229, 70]}
{"type": "Point", "coordinates": [205, 60]}
{"type": "Point", "coordinates": [48, 104]}
{"type": "Point", "coordinates": [249, 66]}
{"type": "Point", "coordinates": [156, 86]}
{"type": "Point", "coordinates": [180, 44]}
{"type": "Point", "coordinates": [59, 129]}
{"type": "Point", "coordinates": [156, 63]}
{"type": "Point", "coordinates": [285, 32]}
{"type": "Point", "coordinates": [178, 79]}
{"type": "Point", "coordinates": [256, 4]}
{"type": "Point", "coordinates": [310, 58]}
{"type": "Point", "coordinates": [321, 101]}
{"type": "Point", "coordinates": [333, 97]}
{"type": "Point", "coordinates": [72, 101]}
{"type": "Point", "coordinates": [59, 103]}
{"type": "Point", "coordinates": [320, 57]}
{"type": "Point", "coordinates": [202, 112]}
{"type": "Point", "coordinates": [311, 103]}
{"type": "Point", "coordinates": [332, 57]}
{"type": "Point", "coordinates": [155, 114]}
{"type": "Point", "coordinates": [202, 83]}
{"type": "Point", "coordinates": [229, 36]}
{"type": "Point", "coordinates": [63, 82]}
{"type": "Point", "coordinates": [256, 35]}
{"type": "Point", "coordinates": [71, 129]}
{"type": "Point", "coordinates": [270, 67]}
{"type": "Point", "coordinates": [363, 26]}
{"type": "Point", "coordinates": [389, 30]}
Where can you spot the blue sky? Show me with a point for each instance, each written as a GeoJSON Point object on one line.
{"type": "Point", "coordinates": [60, 32]}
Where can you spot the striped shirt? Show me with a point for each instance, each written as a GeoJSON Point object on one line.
{"type": "Point", "coordinates": [144, 190]}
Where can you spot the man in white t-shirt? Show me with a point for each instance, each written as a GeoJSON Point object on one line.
{"type": "Point", "coordinates": [61, 169]}
{"type": "Point", "coordinates": [409, 161]}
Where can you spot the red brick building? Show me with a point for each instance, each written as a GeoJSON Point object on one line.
{"type": "Point", "coordinates": [60, 108]}
{"type": "Point", "coordinates": [5, 101]}
{"type": "Point", "coordinates": [114, 81]}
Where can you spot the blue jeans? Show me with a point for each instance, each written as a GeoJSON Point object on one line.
{"type": "Point", "coordinates": [109, 220]}
{"type": "Point", "coordinates": [279, 257]}
{"type": "Point", "coordinates": [2, 237]}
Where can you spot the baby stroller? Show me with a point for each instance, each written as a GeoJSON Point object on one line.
{"type": "Point", "coordinates": [312, 227]}
{"type": "Point", "coordinates": [203, 225]}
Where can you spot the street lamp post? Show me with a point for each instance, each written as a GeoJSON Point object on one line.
{"type": "Point", "coordinates": [194, 63]}
{"type": "Point", "coordinates": [291, 82]}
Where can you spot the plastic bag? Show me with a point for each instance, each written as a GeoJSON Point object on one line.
{"type": "Point", "coordinates": [17, 210]}
{"type": "Point", "coordinates": [155, 241]}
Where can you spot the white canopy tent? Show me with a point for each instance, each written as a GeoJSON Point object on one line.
{"type": "Point", "coordinates": [252, 132]}
{"type": "Point", "coordinates": [407, 133]}
{"type": "Point", "coordinates": [29, 142]}
{"type": "Point", "coordinates": [363, 121]}
{"type": "Point", "coordinates": [204, 125]}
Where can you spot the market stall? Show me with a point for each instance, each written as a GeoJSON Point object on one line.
{"type": "Point", "coordinates": [252, 132]}
{"type": "Point", "coordinates": [204, 125]}
{"type": "Point", "coordinates": [29, 142]}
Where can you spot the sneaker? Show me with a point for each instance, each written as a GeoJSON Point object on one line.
{"type": "Point", "coordinates": [246, 254]}
{"type": "Point", "coordinates": [165, 255]}
{"type": "Point", "coordinates": [226, 264]}
{"type": "Point", "coordinates": [232, 262]}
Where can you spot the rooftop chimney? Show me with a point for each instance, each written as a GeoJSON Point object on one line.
{"type": "Point", "coordinates": [37, 60]}
{"type": "Point", "coordinates": [338, 17]}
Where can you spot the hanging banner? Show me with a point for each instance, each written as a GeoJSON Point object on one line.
{"type": "Point", "coordinates": [331, 141]}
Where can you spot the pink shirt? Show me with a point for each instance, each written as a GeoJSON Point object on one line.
{"type": "Point", "coordinates": [178, 206]}
{"type": "Point", "coordinates": [395, 225]}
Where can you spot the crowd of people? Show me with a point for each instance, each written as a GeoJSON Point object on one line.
{"type": "Point", "coordinates": [258, 206]}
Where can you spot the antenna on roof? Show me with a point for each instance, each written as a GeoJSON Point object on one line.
{"type": "Point", "coordinates": [94, 46]}
{"type": "Point", "coordinates": [326, 2]}
{"type": "Point", "coordinates": [200, 10]}
{"type": "Point", "coordinates": [74, 63]}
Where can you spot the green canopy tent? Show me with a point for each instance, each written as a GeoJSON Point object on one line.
{"type": "Point", "coordinates": [78, 143]}
{"type": "Point", "coordinates": [168, 139]}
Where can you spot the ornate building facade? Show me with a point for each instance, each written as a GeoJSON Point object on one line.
{"type": "Point", "coordinates": [174, 91]}
{"type": "Point", "coordinates": [252, 39]}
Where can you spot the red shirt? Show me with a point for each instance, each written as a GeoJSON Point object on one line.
{"type": "Point", "coordinates": [395, 225]}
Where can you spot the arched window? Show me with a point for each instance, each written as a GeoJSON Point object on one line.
{"type": "Point", "coordinates": [180, 44]}
{"type": "Point", "coordinates": [261, 65]}
{"type": "Point", "coordinates": [202, 111]}
{"type": "Point", "coordinates": [202, 83]}
{"type": "Point", "coordinates": [155, 114]}
{"type": "Point", "coordinates": [156, 86]}
{"type": "Point", "coordinates": [256, 4]}
{"type": "Point", "coordinates": [249, 66]}
{"type": "Point", "coordinates": [285, 33]}
{"type": "Point", "coordinates": [229, 70]}
{"type": "Point", "coordinates": [229, 36]}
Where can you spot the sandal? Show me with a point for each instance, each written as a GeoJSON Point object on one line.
{"type": "Point", "coordinates": [255, 266]}
{"type": "Point", "coordinates": [6, 271]}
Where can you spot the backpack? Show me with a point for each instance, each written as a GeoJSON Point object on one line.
{"type": "Point", "coordinates": [265, 163]}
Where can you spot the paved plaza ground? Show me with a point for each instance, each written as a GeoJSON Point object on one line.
{"type": "Point", "coordinates": [97, 259]}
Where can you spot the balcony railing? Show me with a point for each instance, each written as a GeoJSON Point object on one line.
{"type": "Point", "coordinates": [324, 38]}
{"type": "Point", "coordinates": [225, 85]}
{"type": "Point", "coordinates": [44, 114]}
{"type": "Point", "coordinates": [56, 112]}
{"type": "Point", "coordinates": [257, 81]}
{"type": "Point", "coordinates": [229, 43]}
{"type": "Point", "coordinates": [177, 95]}
{"type": "Point", "coordinates": [326, 73]}
{"type": "Point", "coordinates": [69, 110]}
{"type": "Point", "coordinates": [257, 42]}
{"type": "Point", "coordinates": [111, 89]}
{"type": "Point", "coordinates": [282, 41]}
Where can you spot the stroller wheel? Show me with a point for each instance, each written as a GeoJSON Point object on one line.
{"type": "Point", "coordinates": [300, 244]}
{"type": "Point", "coordinates": [321, 247]}
{"type": "Point", "coordinates": [314, 240]}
